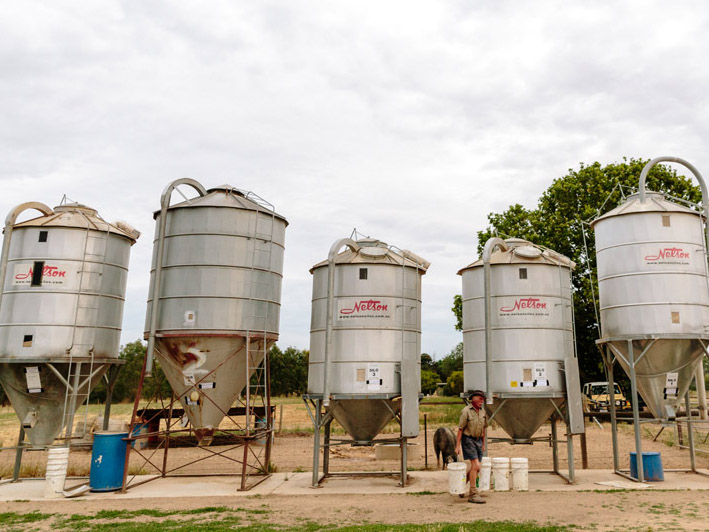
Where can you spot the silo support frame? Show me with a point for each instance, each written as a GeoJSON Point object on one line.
{"type": "Point", "coordinates": [255, 440]}
{"type": "Point", "coordinates": [322, 419]}
{"type": "Point", "coordinates": [110, 375]}
{"type": "Point", "coordinates": [552, 439]}
{"type": "Point", "coordinates": [610, 355]}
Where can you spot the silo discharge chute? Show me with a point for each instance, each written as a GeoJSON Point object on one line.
{"type": "Point", "coordinates": [364, 367]}
{"type": "Point", "coordinates": [518, 338]}
{"type": "Point", "coordinates": [64, 281]}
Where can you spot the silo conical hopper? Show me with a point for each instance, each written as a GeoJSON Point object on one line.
{"type": "Point", "coordinates": [518, 334]}
{"type": "Point", "coordinates": [64, 281]}
{"type": "Point", "coordinates": [375, 335]}
{"type": "Point", "coordinates": [652, 282]}
{"type": "Point", "coordinates": [217, 267]}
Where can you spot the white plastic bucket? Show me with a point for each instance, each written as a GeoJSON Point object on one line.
{"type": "Point", "coordinates": [57, 463]}
{"type": "Point", "coordinates": [519, 470]}
{"type": "Point", "coordinates": [485, 468]}
{"type": "Point", "coordinates": [456, 477]}
{"type": "Point", "coordinates": [501, 473]}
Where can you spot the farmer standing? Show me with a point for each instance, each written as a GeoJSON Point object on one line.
{"type": "Point", "coordinates": [472, 431]}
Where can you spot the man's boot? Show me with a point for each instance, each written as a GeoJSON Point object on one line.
{"type": "Point", "coordinates": [475, 497]}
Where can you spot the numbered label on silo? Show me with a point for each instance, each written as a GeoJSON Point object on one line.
{"type": "Point", "coordinates": [374, 377]}
{"type": "Point", "coordinates": [671, 384]}
{"type": "Point", "coordinates": [34, 383]}
{"type": "Point", "coordinates": [540, 374]}
{"type": "Point", "coordinates": [364, 308]}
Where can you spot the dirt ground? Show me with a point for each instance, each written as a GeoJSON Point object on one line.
{"type": "Point", "coordinates": [294, 453]}
{"type": "Point", "coordinates": [592, 511]}
{"type": "Point", "coordinates": [589, 510]}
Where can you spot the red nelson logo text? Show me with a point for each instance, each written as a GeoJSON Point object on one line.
{"type": "Point", "coordinates": [527, 303]}
{"type": "Point", "coordinates": [363, 306]}
{"type": "Point", "coordinates": [48, 271]}
{"type": "Point", "coordinates": [669, 253]}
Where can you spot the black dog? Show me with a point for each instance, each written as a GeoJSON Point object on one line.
{"type": "Point", "coordinates": [444, 444]}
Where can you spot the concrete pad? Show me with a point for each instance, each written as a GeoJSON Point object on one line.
{"type": "Point", "coordinates": [289, 484]}
{"type": "Point", "coordinates": [300, 484]}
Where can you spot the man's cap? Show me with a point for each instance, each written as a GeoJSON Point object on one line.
{"type": "Point", "coordinates": [477, 392]}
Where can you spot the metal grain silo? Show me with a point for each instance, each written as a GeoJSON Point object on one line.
{"type": "Point", "coordinates": [654, 297]}
{"type": "Point", "coordinates": [365, 338]}
{"type": "Point", "coordinates": [215, 296]}
{"type": "Point", "coordinates": [518, 335]}
{"type": "Point", "coordinates": [64, 281]}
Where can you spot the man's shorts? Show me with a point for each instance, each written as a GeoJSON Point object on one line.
{"type": "Point", "coordinates": [472, 448]}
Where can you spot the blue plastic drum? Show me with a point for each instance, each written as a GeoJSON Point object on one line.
{"type": "Point", "coordinates": [652, 467]}
{"type": "Point", "coordinates": [108, 459]}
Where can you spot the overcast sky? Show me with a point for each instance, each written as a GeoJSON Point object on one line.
{"type": "Point", "coordinates": [408, 120]}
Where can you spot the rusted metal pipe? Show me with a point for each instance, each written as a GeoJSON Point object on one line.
{"type": "Point", "coordinates": [164, 205]}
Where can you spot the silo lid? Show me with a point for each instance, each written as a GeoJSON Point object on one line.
{"type": "Point", "coordinates": [76, 215]}
{"type": "Point", "coordinates": [229, 197]}
{"type": "Point", "coordinates": [528, 252]}
{"type": "Point", "coordinates": [521, 251]}
{"type": "Point", "coordinates": [654, 202]}
{"type": "Point", "coordinates": [373, 251]}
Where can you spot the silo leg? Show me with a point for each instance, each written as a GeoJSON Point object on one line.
{"type": "Point", "coordinates": [636, 412]}
{"type": "Point", "coordinates": [404, 457]}
{"type": "Point", "coordinates": [111, 377]}
{"type": "Point", "coordinates": [18, 454]}
{"type": "Point", "coordinates": [609, 362]}
{"type": "Point", "coordinates": [690, 433]}
{"type": "Point", "coordinates": [316, 443]}
{"type": "Point", "coordinates": [570, 453]}
{"type": "Point", "coordinates": [326, 449]}
{"type": "Point", "coordinates": [554, 443]}
{"type": "Point", "coordinates": [69, 417]}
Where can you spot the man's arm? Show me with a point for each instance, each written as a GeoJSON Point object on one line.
{"type": "Point", "coordinates": [458, 446]}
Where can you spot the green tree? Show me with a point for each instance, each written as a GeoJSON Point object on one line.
{"type": "Point", "coordinates": [289, 371]}
{"type": "Point", "coordinates": [129, 375]}
{"type": "Point", "coordinates": [429, 380]}
{"type": "Point", "coordinates": [560, 221]}
{"type": "Point", "coordinates": [453, 361]}
{"type": "Point", "coordinates": [454, 384]}
{"type": "Point", "coordinates": [126, 386]}
{"type": "Point", "coordinates": [458, 311]}
{"type": "Point", "coordinates": [427, 362]}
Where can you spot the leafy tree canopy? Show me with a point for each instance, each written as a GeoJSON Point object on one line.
{"type": "Point", "coordinates": [454, 384]}
{"type": "Point", "coordinates": [289, 371]}
{"type": "Point", "coordinates": [429, 381]}
{"type": "Point", "coordinates": [453, 361]}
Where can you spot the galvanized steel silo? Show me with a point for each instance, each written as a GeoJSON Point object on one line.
{"type": "Point", "coordinates": [218, 262]}
{"type": "Point", "coordinates": [374, 328]}
{"type": "Point", "coordinates": [519, 348]}
{"type": "Point", "coordinates": [64, 282]}
{"type": "Point", "coordinates": [653, 291]}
